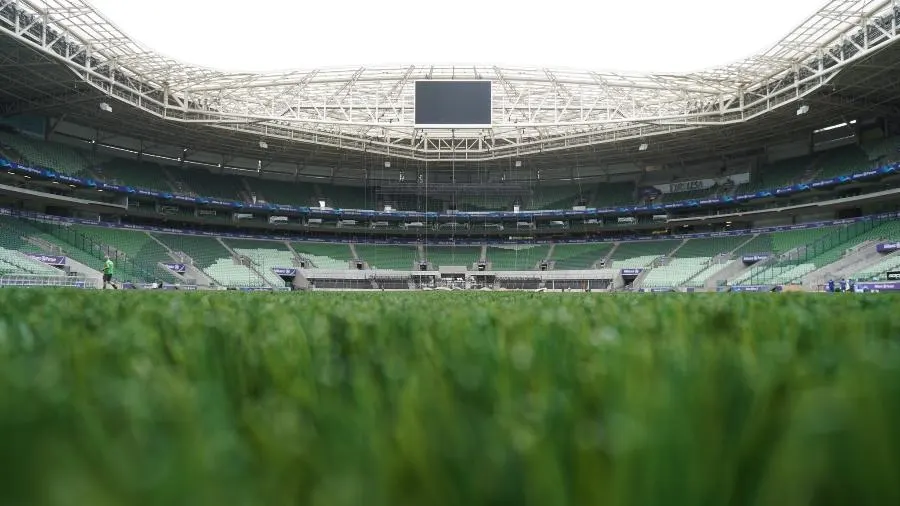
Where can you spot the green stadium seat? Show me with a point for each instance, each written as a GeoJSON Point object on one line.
{"type": "Point", "coordinates": [324, 255]}
{"type": "Point", "coordinates": [578, 256]}
{"type": "Point", "coordinates": [457, 256]}
{"type": "Point", "coordinates": [137, 246]}
{"type": "Point", "coordinates": [520, 257]}
{"type": "Point", "coordinates": [50, 155]}
{"type": "Point", "coordinates": [399, 257]}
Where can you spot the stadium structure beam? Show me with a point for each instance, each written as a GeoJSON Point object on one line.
{"type": "Point", "coordinates": [371, 108]}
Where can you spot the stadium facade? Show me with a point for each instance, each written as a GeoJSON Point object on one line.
{"type": "Point", "coordinates": [780, 169]}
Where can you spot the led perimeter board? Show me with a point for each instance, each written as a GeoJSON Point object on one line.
{"type": "Point", "coordinates": [453, 104]}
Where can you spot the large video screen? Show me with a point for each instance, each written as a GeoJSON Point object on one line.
{"type": "Point", "coordinates": [453, 104]}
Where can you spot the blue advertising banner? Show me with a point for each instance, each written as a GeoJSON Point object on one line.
{"type": "Point", "coordinates": [755, 257]}
{"type": "Point", "coordinates": [888, 247]}
{"type": "Point", "coordinates": [285, 271]}
{"type": "Point", "coordinates": [176, 268]}
{"type": "Point", "coordinates": [54, 260]}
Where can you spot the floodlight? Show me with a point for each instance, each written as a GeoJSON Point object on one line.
{"type": "Point", "coordinates": [105, 107]}
{"type": "Point", "coordinates": [263, 145]}
{"type": "Point", "coordinates": [643, 147]}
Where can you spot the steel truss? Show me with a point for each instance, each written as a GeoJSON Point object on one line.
{"type": "Point", "coordinates": [371, 108]}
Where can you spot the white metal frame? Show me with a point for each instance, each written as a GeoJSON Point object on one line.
{"type": "Point", "coordinates": [371, 108]}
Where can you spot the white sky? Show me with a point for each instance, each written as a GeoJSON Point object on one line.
{"type": "Point", "coordinates": [646, 35]}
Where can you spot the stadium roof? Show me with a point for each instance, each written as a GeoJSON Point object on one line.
{"type": "Point", "coordinates": [370, 109]}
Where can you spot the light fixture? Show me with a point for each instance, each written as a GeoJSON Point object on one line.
{"type": "Point", "coordinates": [263, 145]}
{"type": "Point", "coordinates": [643, 147]}
{"type": "Point", "coordinates": [105, 107]}
{"type": "Point", "coordinates": [803, 109]}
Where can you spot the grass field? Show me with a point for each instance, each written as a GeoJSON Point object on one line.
{"type": "Point", "coordinates": [433, 399]}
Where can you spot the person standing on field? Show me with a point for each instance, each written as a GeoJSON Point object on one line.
{"type": "Point", "coordinates": [108, 268]}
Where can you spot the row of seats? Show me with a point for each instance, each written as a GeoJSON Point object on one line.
{"type": "Point", "coordinates": [238, 262]}
{"type": "Point", "coordinates": [147, 174]}
{"type": "Point", "coordinates": [820, 247]}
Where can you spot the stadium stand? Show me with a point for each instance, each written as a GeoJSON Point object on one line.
{"type": "Point", "coordinates": [210, 256]}
{"type": "Point", "coordinates": [135, 245]}
{"type": "Point", "coordinates": [809, 250]}
{"type": "Point", "coordinates": [346, 197]}
{"type": "Point", "coordinates": [264, 255]}
{"type": "Point", "coordinates": [522, 257]}
{"type": "Point", "coordinates": [134, 173]}
{"type": "Point", "coordinates": [883, 150]}
{"type": "Point", "coordinates": [324, 255]}
{"type": "Point", "coordinates": [49, 155]}
{"type": "Point", "coordinates": [693, 262]}
{"type": "Point", "coordinates": [452, 255]}
{"type": "Point", "coordinates": [554, 197]}
{"type": "Point", "coordinates": [29, 236]}
{"type": "Point", "coordinates": [843, 160]}
{"type": "Point", "coordinates": [207, 184]}
{"type": "Point", "coordinates": [14, 262]}
{"type": "Point", "coordinates": [613, 194]}
{"type": "Point", "coordinates": [282, 192]}
{"type": "Point", "coordinates": [641, 254]}
{"type": "Point", "coordinates": [676, 272]}
{"type": "Point", "coordinates": [400, 257]}
{"type": "Point", "coordinates": [877, 272]}
{"type": "Point", "coordinates": [579, 256]}
{"type": "Point", "coordinates": [709, 247]}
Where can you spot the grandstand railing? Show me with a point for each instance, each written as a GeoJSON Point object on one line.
{"type": "Point", "coordinates": [45, 280]}
{"type": "Point", "coordinates": [95, 249]}
{"type": "Point", "coordinates": [843, 236]}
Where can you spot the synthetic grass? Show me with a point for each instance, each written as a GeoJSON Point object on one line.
{"type": "Point", "coordinates": [431, 399]}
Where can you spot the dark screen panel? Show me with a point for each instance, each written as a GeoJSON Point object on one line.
{"type": "Point", "coordinates": [453, 103]}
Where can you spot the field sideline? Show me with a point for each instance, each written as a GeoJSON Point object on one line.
{"type": "Point", "coordinates": [448, 398]}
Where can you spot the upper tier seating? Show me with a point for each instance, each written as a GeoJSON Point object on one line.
{"type": "Point", "coordinates": [50, 155]}
{"type": "Point", "coordinates": [283, 192]}
{"type": "Point", "coordinates": [134, 173]}
{"type": "Point", "coordinates": [347, 197]}
{"type": "Point", "coordinates": [843, 160]}
{"type": "Point", "coordinates": [885, 150]}
{"type": "Point", "coordinates": [553, 197]}
{"type": "Point", "coordinates": [207, 184]}
{"type": "Point", "coordinates": [613, 194]}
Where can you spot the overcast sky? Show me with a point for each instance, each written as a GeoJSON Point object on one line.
{"type": "Point", "coordinates": [646, 35]}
